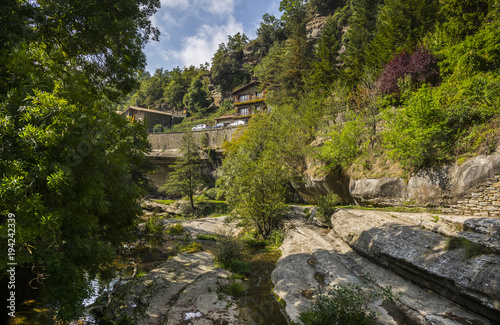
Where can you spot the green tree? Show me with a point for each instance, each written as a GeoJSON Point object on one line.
{"type": "Point", "coordinates": [460, 18]}
{"type": "Point", "coordinates": [178, 85]}
{"type": "Point", "coordinates": [71, 168]}
{"type": "Point", "coordinates": [325, 7]}
{"type": "Point", "coordinates": [361, 22]}
{"type": "Point", "coordinates": [197, 98]}
{"type": "Point", "coordinates": [186, 177]}
{"type": "Point", "coordinates": [254, 182]}
{"type": "Point", "coordinates": [270, 30]}
{"type": "Point", "coordinates": [228, 72]}
{"type": "Point", "coordinates": [287, 63]}
{"type": "Point", "coordinates": [401, 25]}
{"type": "Point", "coordinates": [237, 41]}
{"type": "Point", "coordinates": [325, 66]}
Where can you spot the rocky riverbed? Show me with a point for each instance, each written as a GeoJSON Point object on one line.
{"type": "Point", "coordinates": [188, 288]}
{"type": "Point", "coordinates": [404, 251]}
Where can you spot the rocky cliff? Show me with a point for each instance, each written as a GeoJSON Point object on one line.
{"type": "Point", "coordinates": [444, 186]}
{"type": "Point", "coordinates": [404, 251]}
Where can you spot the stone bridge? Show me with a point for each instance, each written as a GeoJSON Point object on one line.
{"type": "Point", "coordinates": [166, 149]}
{"type": "Point", "coordinates": [207, 139]}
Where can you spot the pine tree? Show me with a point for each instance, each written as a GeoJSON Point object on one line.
{"type": "Point", "coordinates": [187, 176]}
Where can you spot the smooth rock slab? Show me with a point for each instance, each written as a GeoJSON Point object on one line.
{"type": "Point", "coordinates": [419, 256]}
{"type": "Point", "coordinates": [309, 251]}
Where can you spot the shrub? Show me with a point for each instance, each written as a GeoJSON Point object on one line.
{"type": "Point", "coordinates": [158, 128]}
{"type": "Point", "coordinates": [228, 254]}
{"type": "Point", "coordinates": [421, 66]}
{"type": "Point", "coordinates": [346, 304]}
{"type": "Point", "coordinates": [192, 248]}
{"type": "Point", "coordinates": [153, 225]}
{"type": "Point", "coordinates": [227, 249]}
{"type": "Point", "coordinates": [326, 206]}
{"type": "Point", "coordinates": [207, 237]}
{"type": "Point", "coordinates": [276, 238]}
{"type": "Point", "coordinates": [239, 266]}
{"type": "Point", "coordinates": [175, 229]}
{"type": "Point", "coordinates": [250, 240]}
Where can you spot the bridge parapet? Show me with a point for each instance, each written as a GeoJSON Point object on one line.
{"type": "Point", "coordinates": [209, 138]}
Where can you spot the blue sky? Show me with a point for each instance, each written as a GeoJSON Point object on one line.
{"type": "Point", "coordinates": [191, 30]}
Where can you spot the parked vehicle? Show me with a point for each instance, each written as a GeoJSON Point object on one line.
{"type": "Point", "coordinates": [200, 127]}
{"type": "Point", "coordinates": [220, 125]}
{"type": "Point", "coordinates": [238, 122]}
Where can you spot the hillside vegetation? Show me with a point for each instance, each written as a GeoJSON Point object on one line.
{"type": "Point", "coordinates": [388, 88]}
{"type": "Point", "coordinates": [415, 82]}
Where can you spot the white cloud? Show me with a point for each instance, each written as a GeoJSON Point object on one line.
{"type": "Point", "coordinates": [200, 48]}
{"type": "Point", "coordinates": [180, 4]}
{"type": "Point", "coordinates": [218, 7]}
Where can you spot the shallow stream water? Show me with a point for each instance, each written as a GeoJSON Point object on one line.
{"type": "Point", "coordinates": [258, 306]}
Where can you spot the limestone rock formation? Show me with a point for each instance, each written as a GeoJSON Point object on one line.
{"type": "Point", "coordinates": [393, 251]}
{"type": "Point", "coordinates": [253, 53]}
{"type": "Point", "coordinates": [315, 26]}
{"type": "Point", "coordinates": [417, 254]}
{"type": "Point", "coordinates": [434, 187]}
{"type": "Point", "coordinates": [316, 181]}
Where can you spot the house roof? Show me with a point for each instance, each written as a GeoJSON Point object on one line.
{"type": "Point", "coordinates": [253, 82]}
{"type": "Point", "coordinates": [146, 110]}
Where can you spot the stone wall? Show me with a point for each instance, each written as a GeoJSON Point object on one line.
{"type": "Point", "coordinates": [483, 200]}
{"type": "Point", "coordinates": [209, 138]}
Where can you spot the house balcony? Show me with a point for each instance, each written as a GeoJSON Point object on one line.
{"type": "Point", "coordinates": [249, 100]}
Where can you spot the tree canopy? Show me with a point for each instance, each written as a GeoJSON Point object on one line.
{"type": "Point", "coordinates": [71, 168]}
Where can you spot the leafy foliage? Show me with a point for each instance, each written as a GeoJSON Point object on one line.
{"type": "Point", "coordinates": [197, 98]}
{"type": "Point", "coordinates": [420, 67]}
{"type": "Point", "coordinates": [326, 206]}
{"type": "Point", "coordinates": [346, 304]}
{"type": "Point", "coordinates": [71, 168]}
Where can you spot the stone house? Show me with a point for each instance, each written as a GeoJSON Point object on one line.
{"type": "Point", "coordinates": [247, 101]}
{"type": "Point", "coordinates": [153, 117]}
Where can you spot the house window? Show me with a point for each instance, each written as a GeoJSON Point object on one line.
{"type": "Point", "coordinates": [244, 98]}
{"type": "Point", "coordinates": [245, 111]}
{"type": "Point", "coordinates": [259, 95]}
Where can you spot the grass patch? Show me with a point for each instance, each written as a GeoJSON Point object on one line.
{"type": "Point", "coordinates": [207, 237]}
{"type": "Point", "coordinates": [471, 249]}
{"type": "Point", "coordinates": [175, 229]}
{"type": "Point", "coordinates": [346, 304]}
{"type": "Point", "coordinates": [228, 253]}
{"type": "Point", "coordinates": [164, 201]}
{"type": "Point", "coordinates": [435, 218]}
{"type": "Point", "coordinates": [392, 209]}
{"type": "Point", "coordinates": [192, 248]}
{"type": "Point", "coordinates": [234, 288]}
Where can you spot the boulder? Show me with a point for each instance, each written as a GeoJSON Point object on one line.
{"type": "Point", "coordinates": [473, 171]}
{"type": "Point", "coordinates": [419, 256]}
{"type": "Point", "coordinates": [379, 191]}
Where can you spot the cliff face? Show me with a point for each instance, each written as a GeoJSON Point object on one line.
{"type": "Point", "coordinates": [447, 186]}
